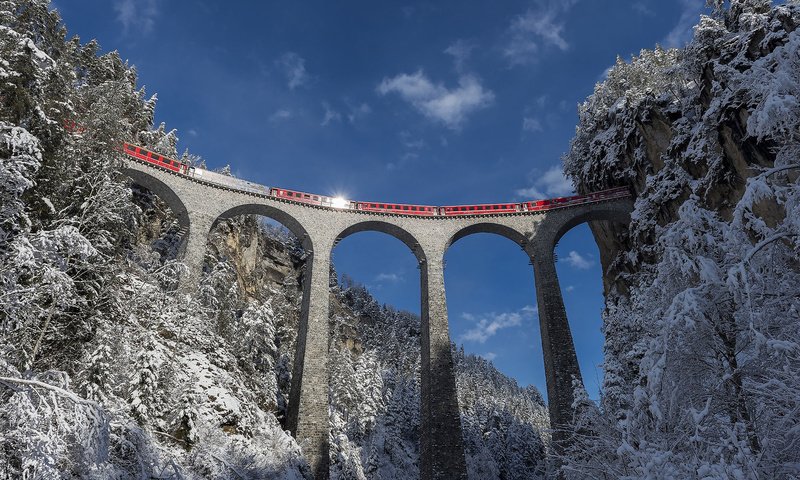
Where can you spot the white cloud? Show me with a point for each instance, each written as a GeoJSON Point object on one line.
{"type": "Point", "coordinates": [539, 26]}
{"type": "Point", "coordinates": [281, 114]}
{"type": "Point", "coordinates": [570, 288]}
{"type": "Point", "coordinates": [489, 356]}
{"type": "Point", "coordinates": [682, 32]}
{"type": "Point", "coordinates": [460, 50]}
{"type": "Point", "coordinates": [293, 67]}
{"type": "Point", "coordinates": [404, 160]}
{"type": "Point", "coordinates": [136, 14]}
{"type": "Point", "coordinates": [552, 183]}
{"type": "Point", "coordinates": [330, 115]}
{"type": "Point", "coordinates": [488, 325]}
{"type": "Point", "coordinates": [409, 141]}
{"type": "Point", "coordinates": [643, 9]}
{"type": "Point", "coordinates": [358, 111]}
{"type": "Point", "coordinates": [448, 106]}
{"type": "Point", "coordinates": [530, 124]}
{"type": "Point", "coordinates": [388, 277]}
{"type": "Point", "coordinates": [576, 260]}
{"type": "Point", "coordinates": [192, 132]}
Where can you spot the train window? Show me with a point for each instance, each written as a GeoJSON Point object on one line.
{"type": "Point", "coordinates": [305, 195]}
{"type": "Point", "coordinates": [316, 197]}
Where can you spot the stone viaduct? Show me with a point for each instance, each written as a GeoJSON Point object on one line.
{"type": "Point", "coordinates": [198, 204]}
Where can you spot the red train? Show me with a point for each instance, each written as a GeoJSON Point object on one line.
{"type": "Point", "coordinates": [381, 207]}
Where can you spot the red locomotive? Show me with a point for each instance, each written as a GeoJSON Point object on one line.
{"type": "Point", "coordinates": [380, 207]}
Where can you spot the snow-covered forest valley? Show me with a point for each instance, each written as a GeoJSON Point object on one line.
{"type": "Point", "coordinates": [109, 370]}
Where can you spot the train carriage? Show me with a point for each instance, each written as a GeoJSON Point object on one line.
{"type": "Point", "coordinates": [549, 204]}
{"type": "Point", "coordinates": [310, 198]}
{"type": "Point", "coordinates": [487, 209]}
{"type": "Point", "coordinates": [155, 158]}
{"type": "Point", "coordinates": [397, 208]}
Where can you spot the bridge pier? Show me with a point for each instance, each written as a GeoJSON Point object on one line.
{"type": "Point", "coordinates": [441, 442]}
{"type": "Point", "coordinates": [308, 398]}
{"type": "Point", "coordinates": [560, 360]}
{"type": "Point", "coordinates": [193, 249]}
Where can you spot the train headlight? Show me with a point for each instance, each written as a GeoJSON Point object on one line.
{"type": "Point", "coordinates": [340, 202]}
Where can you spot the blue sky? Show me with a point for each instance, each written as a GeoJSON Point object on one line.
{"type": "Point", "coordinates": [444, 102]}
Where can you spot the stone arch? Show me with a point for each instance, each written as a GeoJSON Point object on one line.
{"type": "Point", "coordinates": [567, 219]}
{"type": "Point", "coordinates": [289, 221]}
{"type": "Point", "coordinates": [487, 227]}
{"type": "Point", "coordinates": [307, 406]}
{"type": "Point", "coordinates": [163, 191]}
{"type": "Point", "coordinates": [388, 228]}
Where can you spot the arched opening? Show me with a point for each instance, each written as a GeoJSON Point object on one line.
{"type": "Point", "coordinates": [255, 288]}
{"type": "Point", "coordinates": [492, 310]}
{"type": "Point", "coordinates": [561, 362]}
{"type": "Point", "coordinates": [164, 221]}
{"type": "Point", "coordinates": [580, 276]}
{"type": "Point", "coordinates": [374, 351]}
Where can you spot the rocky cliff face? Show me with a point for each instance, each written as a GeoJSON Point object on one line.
{"type": "Point", "coordinates": [696, 120]}
{"type": "Point", "coordinates": [701, 287]}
